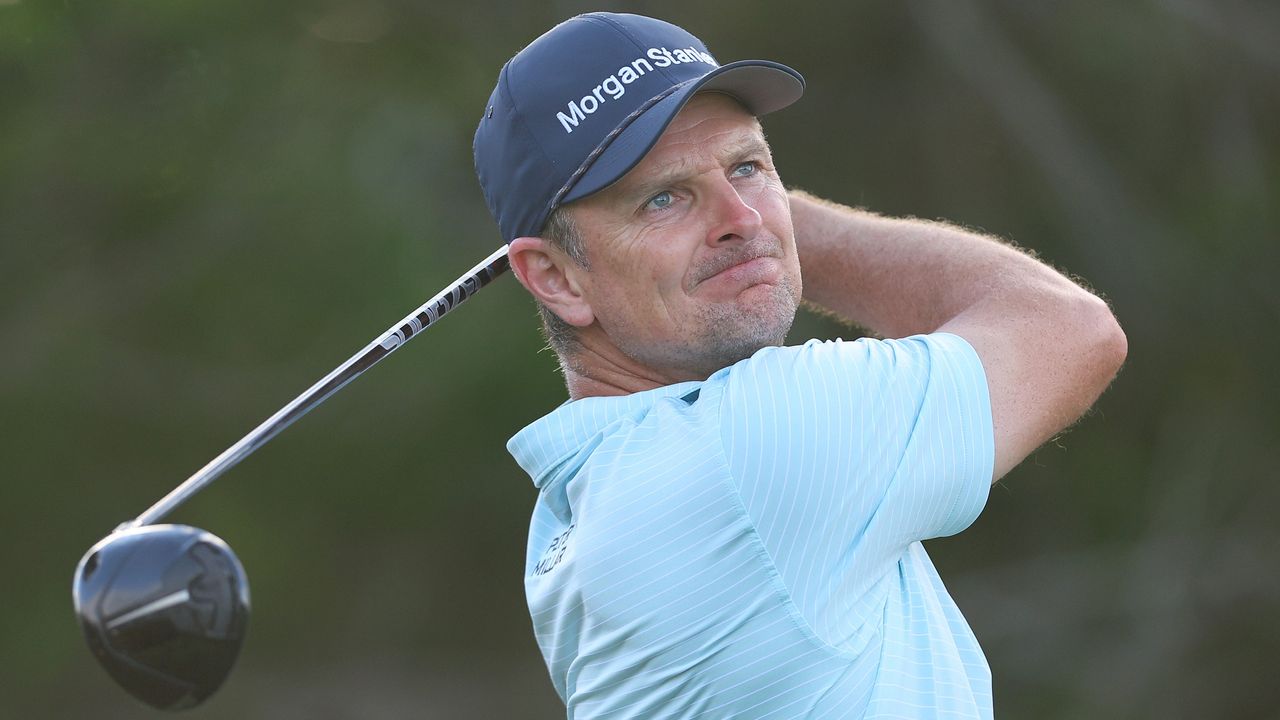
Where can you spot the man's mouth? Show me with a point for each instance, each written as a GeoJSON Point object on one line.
{"type": "Point", "coordinates": [751, 266]}
{"type": "Point", "coordinates": [753, 270]}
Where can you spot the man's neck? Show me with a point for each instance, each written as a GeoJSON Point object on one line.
{"type": "Point", "coordinates": [604, 381]}
{"type": "Point", "coordinates": [592, 371]}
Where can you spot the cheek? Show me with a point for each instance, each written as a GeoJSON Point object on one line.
{"type": "Point", "coordinates": [633, 286]}
{"type": "Point", "coordinates": [779, 213]}
{"type": "Point", "coordinates": [645, 273]}
{"type": "Point", "coordinates": [774, 196]}
{"type": "Point", "coordinates": [653, 275]}
{"type": "Point", "coordinates": [769, 199]}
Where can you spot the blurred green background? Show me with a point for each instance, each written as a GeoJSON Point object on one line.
{"type": "Point", "coordinates": [205, 206]}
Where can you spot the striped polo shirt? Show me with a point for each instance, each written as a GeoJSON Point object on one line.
{"type": "Point", "coordinates": [749, 546]}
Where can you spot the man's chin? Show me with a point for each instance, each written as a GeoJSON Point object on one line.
{"type": "Point", "coordinates": [727, 348]}
{"type": "Point", "coordinates": [723, 337]}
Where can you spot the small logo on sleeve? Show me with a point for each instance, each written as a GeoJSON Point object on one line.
{"type": "Point", "coordinates": [554, 554]}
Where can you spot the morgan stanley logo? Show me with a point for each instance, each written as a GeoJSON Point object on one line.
{"type": "Point", "coordinates": [615, 86]}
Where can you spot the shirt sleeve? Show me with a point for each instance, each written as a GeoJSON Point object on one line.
{"type": "Point", "coordinates": [845, 453]}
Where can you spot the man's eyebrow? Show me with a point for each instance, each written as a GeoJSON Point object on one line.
{"type": "Point", "coordinates": [749, 146]}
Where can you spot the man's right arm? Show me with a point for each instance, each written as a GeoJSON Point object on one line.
{"type": "Point", "coordinates": [1048, 346]}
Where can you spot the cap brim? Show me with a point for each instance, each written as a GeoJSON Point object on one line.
{"type": "Point", "coordinates": [760, 85]}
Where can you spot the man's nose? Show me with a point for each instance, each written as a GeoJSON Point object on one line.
{"type": "Point", "coordinates": [733, 219]}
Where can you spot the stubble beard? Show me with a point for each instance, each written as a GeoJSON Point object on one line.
{"type": "Point", "coordinates": [723, 334]}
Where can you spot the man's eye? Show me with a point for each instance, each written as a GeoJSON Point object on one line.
{"type": "Point", "coordinates": [745, 169]}
{"type": "Point", "coordinates": [660, 201]}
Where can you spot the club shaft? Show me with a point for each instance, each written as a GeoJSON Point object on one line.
{"type": "Point", "coordinates": [400, 333]}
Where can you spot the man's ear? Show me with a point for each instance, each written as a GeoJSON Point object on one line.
{"type": "Point", "coordinates": [551, 276]}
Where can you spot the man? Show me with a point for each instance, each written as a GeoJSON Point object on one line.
{"type": "Point", "coordinates": [727, 527]}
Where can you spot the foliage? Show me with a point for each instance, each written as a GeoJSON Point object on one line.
{"type": "Point", "coordinates": [205, 207]}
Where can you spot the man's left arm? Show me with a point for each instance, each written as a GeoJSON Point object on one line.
{"type": "Point", "coordinates": [1048, 346]}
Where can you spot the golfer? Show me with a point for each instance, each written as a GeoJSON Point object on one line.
{"type": "Point", "coordinates": [728, 527]}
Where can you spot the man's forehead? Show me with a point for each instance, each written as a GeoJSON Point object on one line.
{"type": "Point", "coordinates": [709, 116]}
{"type": "Point", "coordinates": [725, 143]}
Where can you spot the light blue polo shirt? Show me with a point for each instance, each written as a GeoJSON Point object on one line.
{"type": "Point", "coordinates": [749, 546]}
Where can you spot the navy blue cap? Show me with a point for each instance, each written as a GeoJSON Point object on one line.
{"type": "Point", "coordinates": [580, 106]}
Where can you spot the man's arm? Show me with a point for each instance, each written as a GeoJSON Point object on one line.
{"type": "Point", "coordinates": [1048, 346]}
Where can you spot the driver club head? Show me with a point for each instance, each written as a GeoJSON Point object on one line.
{"type": "Point", "coordinates": [164, 609]}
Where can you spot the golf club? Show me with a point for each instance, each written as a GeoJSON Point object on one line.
{"type": "Point", "coordinates": [164, 608]}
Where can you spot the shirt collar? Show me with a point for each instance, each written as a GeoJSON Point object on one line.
{"type": "Point", "coordinates": [543, 447]}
